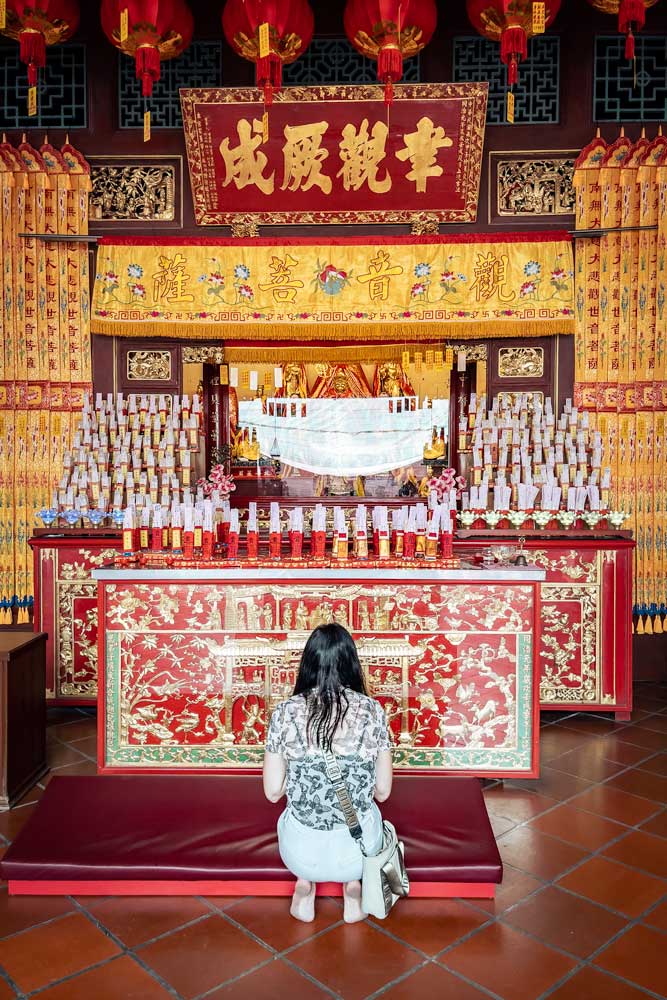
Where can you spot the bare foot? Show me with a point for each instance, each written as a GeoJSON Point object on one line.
{"type": "Point", "coordinates": [303, 901]}
{"type": "Point", "coordinates": [352, 912]}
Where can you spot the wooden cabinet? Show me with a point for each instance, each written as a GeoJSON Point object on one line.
{"type": "Point", "coordinates": [22, 713]}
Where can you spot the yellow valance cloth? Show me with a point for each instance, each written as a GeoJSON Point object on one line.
{"type": "Point", "coordinates": [372, 288]}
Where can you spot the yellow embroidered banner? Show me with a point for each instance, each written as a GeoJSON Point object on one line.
{"type": "Point", "coordinates": [367, 288]}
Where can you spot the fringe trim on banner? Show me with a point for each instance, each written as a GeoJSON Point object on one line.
{"type": "Point", "coordinates": [400, 332]}
{"type": "Point", "coordinates": [276, 354]}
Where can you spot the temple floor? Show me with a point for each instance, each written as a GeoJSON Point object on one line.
{"type": "Point", "coordinates": [581, 914]}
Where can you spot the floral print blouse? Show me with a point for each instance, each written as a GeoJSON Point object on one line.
{"type": "Point", "coordinates": [310, 795]}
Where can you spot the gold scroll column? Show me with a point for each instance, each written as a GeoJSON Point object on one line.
{"type": "Point", "coordinates": [45, 353]}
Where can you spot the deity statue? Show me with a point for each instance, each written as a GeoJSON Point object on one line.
{"type": "Point", "coordinates": [301, 623]}
{"type": "Point", "coordinates": [266, 617]}
{"type": "Point", "coordinates": [391, 380]}
{"type": "Point", "coordinates": [295, 385]}
{"type": "Point", "coordinates": [341, 381]}
{"type": "Point", "coordinates": [436, 447]}
{"type": "Point", "coordinates": [288, 618]}
{"type": "Point", "coordinates": [246, 447]}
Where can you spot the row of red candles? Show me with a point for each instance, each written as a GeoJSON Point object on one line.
{"type": "Point", "coordinates": [222, 541]}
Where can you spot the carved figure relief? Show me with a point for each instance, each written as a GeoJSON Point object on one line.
{"type": "Point", "coordinates": [149, 366]}
{"type": "Point", "coordinates": [534, 186]}
{"type": "Point", "coordinates": [521, 362]}
{"type": "Point", "coordinates": [133, 192]}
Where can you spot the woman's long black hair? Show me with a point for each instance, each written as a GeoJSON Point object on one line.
{"type": "Point", "coordinates": [329, 664]}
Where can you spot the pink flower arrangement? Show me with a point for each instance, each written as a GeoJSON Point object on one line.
{"type": "Point", "coordinates": [447, 481]}
{"type": "Point", "coordinates": [217, 480]}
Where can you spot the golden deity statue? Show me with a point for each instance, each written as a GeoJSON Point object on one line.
{"type": "Point", "coordinates": [341, 381]}
{"type": "Point", "coordinates": [391, 380]}
{"type": "Point", "coordinates": [435, 448]}
{"type": "Point", "coordinates": [246, 447]}
{"type": "Point", "coordinates": [294, 381]}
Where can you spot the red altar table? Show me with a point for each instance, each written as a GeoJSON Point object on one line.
{"type": "Point", "coordinates": [193, 661]}
{"type": "Point", "coordinates": [585, 636]}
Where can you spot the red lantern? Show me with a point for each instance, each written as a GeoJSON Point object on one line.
{"type": "Point", "coordinates": [511, 24]}
{"type": "Point", "coordinates": [631, 18]}
{"type": "Point", "coordinates": [156, 30]}
{"type": "Point", "coordinates": [39, 23]}
{"type": "Point", "coordinates": [390, 31]}
{"type": "Point", "coordinates": [290, 29]}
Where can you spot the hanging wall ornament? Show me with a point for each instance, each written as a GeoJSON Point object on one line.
{"type": "Point", "coordinates": [269, 33]}
{"type": "Point", "coordinates": [511, 24]}
{"type": "Point", "coordinates": [151, 31]}
{"type": "Point", "coordinates": [37, 24]}
{"type": "Point", "coordinates": [631, 18]}
{"type": "Point", "coordinates": [390, 31]}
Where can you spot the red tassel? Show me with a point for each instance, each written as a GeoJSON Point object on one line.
{"type": "Point", "coordinates": [147, 63]}
{"type": "Point", "coordinates": [268, 94]}
{"type": "Point", "coordinates": [269, 70]}
{"type": "Point", "coordinates": [390, 64]}
{"type": "Point", "coordinates": [388, 92]}
{"type": "Point", "coordinates": [32, 50]}
{"type": "Point", "coordinates": [32, 75]}
{"type": "Point", "coordinates": [630, 46]}
{"type": "Point", "coordinates": [512, 72]}
{"type": "Point", "coordinates": [631, 12]}
{"type": "Point", "coordinates": [513, 42]}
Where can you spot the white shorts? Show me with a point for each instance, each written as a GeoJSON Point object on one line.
{"type": "Point", "coordinates": [327, 855]}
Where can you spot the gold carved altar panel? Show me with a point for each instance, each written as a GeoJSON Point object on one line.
{"type": "Point", "coordinates": [193, 671]}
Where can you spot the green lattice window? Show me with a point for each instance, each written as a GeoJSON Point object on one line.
{"type": "Point", "coordinates": [625, 91]}
{"type": "Point", "coordinates": [335, 60]}
{"type": "Point", "coordinates": [62, 95]}
{"type": "Point", "coordinates": [199, 66]}
{"type": "Point", "coordinates": [537, 92]}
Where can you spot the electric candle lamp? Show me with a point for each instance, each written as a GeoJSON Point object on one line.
{"type": "Point", "coordinates": [233, 539]}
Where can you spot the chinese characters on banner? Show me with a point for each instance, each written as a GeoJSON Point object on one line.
{"type": "Point", "coordinates": [332, 155]}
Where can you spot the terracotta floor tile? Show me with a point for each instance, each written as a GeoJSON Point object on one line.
{"type": "Point", "coordinates": [555, 741]}
{"type": "Point", "coordinates": [584, 829]}
{"type": "Point", "coordinates": [516, 885]}
{"type": "Point", "coordinates": [657, 825]}
{"type": "Point", "coordinates": [432, 924]}
{"type": "Point", "coordinates": [60, 754]}
{"type": "Point", "coordinates": [354, 959]}
{"type": "Point", "coordinates": [14, 819]}
{"type": "Point", "coordinates": [538, 854]}
{"type": "Point", "coordinates": [272, 982]}
{"type": "Point", "coordinates": [508, 962]}
{"type": "Point", "coordinates": [20, 912]}
{"type": "Point", "coordinates": [6, 992]}
{"type": "Point", "coordinates": [594, 725]}
{"type": "Point", "coordinates": [643, 783]}
{"type": "Point", "coordinates": [565, 921]}
{"type": "Point", "coordinates": [120, 978]}
{"type": "Point", "coordinates": [269, 919]}
{"type": "Point", "coordinates": [138, 919]}
{"type": "Point", "coordinates": [501, 824]}
{"type": "Point", "coordinates": [590, 984]}
{"type": "Point", "coordinates": [82, 767]}
{"type": "Point", "coordinates": [432, 981]}
{"type": "Point", "coordinates": [593, 767]}
{"type": "Point", "coordinates": [642, 737]}
{"type": "Point", "coordinates": [615, 804]}
{"type": "Point", "coordinates": [553, 783]}
{"type": "Point", "coordinates": [207, 954]}
{"type": "Point", "coordinates": [87, 747]}
{"type": "Point", "coordinates": [638, 956]}
{"type": "Point", "coordinates": [656, 765]}
{"type": "Point", "coordinates": [516, 803]}
{"type": "Point", "coordinates": [52, 951]}
{"type": "Point", "coordinates": [657, 917]}
{"type": "Point", "coordinates": [656, 723]}
{"type": "Point", "coordinates": [78, 730]}
{"type": "Point", "coordinates": [613, 748]}
{"type": "Point", "coordinates": [641, 850]}
{"type": "Point", "coordinates": [614, 885]}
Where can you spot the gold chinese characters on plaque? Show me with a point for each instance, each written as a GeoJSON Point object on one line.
{"type": "Point", "coordinates": [331, 157]}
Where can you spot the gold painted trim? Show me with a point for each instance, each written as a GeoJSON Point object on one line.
{"type": "Point", "coordinates": [167, 158]}
{"type": "Point", "coordinates": [537, 154]}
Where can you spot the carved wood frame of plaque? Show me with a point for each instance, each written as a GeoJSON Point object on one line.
{"type": "Point", "coordinates": [499, 217]}
{"type": "Point", "coordinates": [171, 163]}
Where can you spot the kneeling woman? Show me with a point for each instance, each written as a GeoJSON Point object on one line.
{"type": "Point", "coordinates": [328, 712]}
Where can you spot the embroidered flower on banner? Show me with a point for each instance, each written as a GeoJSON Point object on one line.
{"type": "Point", "coordinates": [528, 288]}
{"type": "Point", "coordinates": [418, 290]}
{"type": "Point", "coordinates": [241, 272]}
{"type": "Point", "coordinates": [533, 267]}
{"type": "Point", "coordinates": [332, 280]}
{"type": "Point", "coordinates": [422, 270]}
{"type": "Point", "coordinates": [138, 291]}
{"type": "Point", "coordinates": [135, 271]}
{"type": "Point", "coordinates": [246, 292]}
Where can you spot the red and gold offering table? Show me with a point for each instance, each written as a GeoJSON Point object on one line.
{"type": "Point", "coordinates": [193, 661]}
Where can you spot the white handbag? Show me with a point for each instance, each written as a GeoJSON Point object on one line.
{"type": "Point", "coordinates": [384, 877]}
